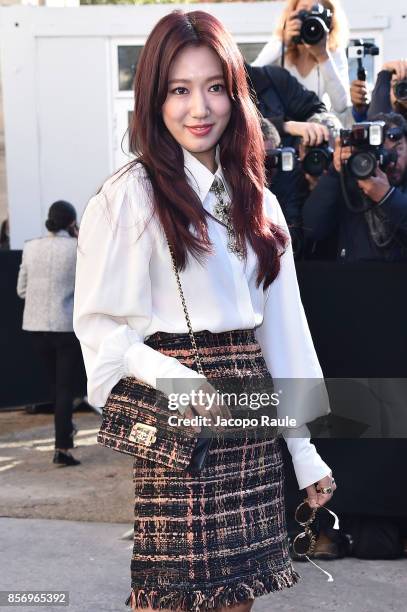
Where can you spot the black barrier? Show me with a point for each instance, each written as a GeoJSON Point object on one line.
{"type": "Point", "coordinates": [356, 314]}
{"type": "Point", "coordinates": [23, 378]}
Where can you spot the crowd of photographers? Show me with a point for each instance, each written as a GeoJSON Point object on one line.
{"type": "Point", "coordinates": [336, 154]}
{"type": "Point", "coordinates": [336, 158]}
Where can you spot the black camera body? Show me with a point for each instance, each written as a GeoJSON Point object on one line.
{"type": "Point", "coordinates": [317, 159]}
{"type": "Point", "coordinates": [400, 90]}
{"type": "Point", "coordinates": [367, 138]}
{"type": "Point", "coordinates": [283, 158]}
{"type": "Point", "coordinates": [315, 24]}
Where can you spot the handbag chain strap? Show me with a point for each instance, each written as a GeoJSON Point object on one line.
{"type": "Point", "coordinates": [184, 306]}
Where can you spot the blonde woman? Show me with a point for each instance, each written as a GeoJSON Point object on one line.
{"type": "Point", "coordinates": [322, 68]}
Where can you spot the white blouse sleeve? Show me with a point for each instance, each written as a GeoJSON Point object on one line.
{"type": "Point", "coordinates": [336, 78]}
{"type": "Point", "coordinates": [270, 53]}
{"type": "Point", "coordinates": [112, 286]}
{"type": "Point", "coordinates": [288, 349]}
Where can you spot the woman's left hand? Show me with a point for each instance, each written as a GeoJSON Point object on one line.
{"type": "Point", "coordinates": [319, 52]}
{"type": "Point", "coordinates": [316, 498]}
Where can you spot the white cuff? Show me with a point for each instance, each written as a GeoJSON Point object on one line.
{"type": "Point", "coordinates": [308, 465]}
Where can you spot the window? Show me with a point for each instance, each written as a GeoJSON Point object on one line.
{"type": "Point", "coordinates": [127, 57]}
{"type": "Point", "coordinates": [250, 50]}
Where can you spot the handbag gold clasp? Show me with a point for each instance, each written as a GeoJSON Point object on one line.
{"type": "Point", "coordinates": [141, 433]}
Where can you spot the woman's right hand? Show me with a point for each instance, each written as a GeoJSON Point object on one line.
{"type": "Point", "coordinates": [359, 94]}
{"type": "Point", "coordinates": [312, 134]}
{"type": "Point", "coordinates": [292, 28]}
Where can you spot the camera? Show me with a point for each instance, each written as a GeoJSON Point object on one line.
{"type": "Point", "coordinates": [317, 159]}
{"type": "Point", "coordinates": [358, 49]}
{"type": "Point", "coordinates": [368, 133]}
{"type": "Point", "coordinates": [367, 138]}
{"type": "Point", "coordinates": [400, 90]}
{"type": "Point", "coordinates": [283, 158]}
{"type": "Point", "coordinates": [315, 24]}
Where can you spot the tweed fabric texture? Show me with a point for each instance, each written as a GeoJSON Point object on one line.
{"type": "Point", "coordinates": [46, 281]}
{"type": "Point", "coordinates": [132, 401]}
{"type": "Point", "coordinates": [218, 539]}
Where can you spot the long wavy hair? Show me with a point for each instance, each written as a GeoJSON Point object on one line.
{"type": "Point", "coordinates": [338, 33]}
{"type": "Point", "coordinates": [242, 154]}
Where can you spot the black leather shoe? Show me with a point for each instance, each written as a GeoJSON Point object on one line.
{"type": "Point", "coordinates": [64, 459]}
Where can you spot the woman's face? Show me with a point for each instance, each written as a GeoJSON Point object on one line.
{"type": "Point", "coordinates": [196, 97]}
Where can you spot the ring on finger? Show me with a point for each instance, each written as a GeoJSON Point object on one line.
{"type": "Point", "coordinates": [325, 490]}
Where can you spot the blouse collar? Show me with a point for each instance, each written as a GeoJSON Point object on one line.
{"type": "Point", "coordinates": [198, 175]}
{"type": "Point", "coordinates": [61, 232]}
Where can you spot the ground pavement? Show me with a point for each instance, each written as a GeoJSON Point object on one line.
{"type": "Point", "coordinates": [63, 528]}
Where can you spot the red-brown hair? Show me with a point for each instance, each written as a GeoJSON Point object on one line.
{"type": "Point", "coordinates": [241, 146]}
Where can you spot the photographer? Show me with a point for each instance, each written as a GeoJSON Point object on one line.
{"type": "Point", "coordinates": [286, 180]}
{"type": "Point", "coordinates": [389, 93]}
{"type": "Point", "coordinates": [291, 176]}
{"type": "Point", "coordinates": [322, 66]}
{"type": "Point", "coordinates": [287, 104]}
{"type": "Point", "coordinates": [370, 214]}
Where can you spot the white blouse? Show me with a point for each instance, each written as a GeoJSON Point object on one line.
{"type": "Point", "coordinates": [329, 80]}
{"type": "Point", "coordinates": [125, 291]}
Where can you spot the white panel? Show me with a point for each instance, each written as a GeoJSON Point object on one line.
{"type": "Point", "coordinates": [20, 131]}
{"type": "Point", "coordinates": [74, 119]}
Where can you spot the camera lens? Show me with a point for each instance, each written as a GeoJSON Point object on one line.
{"type": "Point", "coordinates": [313, 30]}
{"type": "Point", "coordinates": [400, 90]}
{"type": "Point", "coordinates": [362, 165]}
{"type": "Point", "coordinates": [316, 161]}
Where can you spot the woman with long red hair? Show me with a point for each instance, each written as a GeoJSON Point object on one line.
{"type": "Point", "coordinates": [196, 190]}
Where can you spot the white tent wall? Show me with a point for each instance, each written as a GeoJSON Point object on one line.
{"type": "Point", "coordinates": [64, 115]}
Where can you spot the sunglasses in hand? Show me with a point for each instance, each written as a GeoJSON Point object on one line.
{"type": "Point", "coordinates": [304, 543]}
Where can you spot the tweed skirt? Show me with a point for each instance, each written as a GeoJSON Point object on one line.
{"type": "Point", "coordinates": [218, 539]}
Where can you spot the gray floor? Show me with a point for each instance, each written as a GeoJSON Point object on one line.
{"type": "Point", "coordinates": [91, 561]}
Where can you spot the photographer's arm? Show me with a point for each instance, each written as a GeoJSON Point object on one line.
{"type": "Point", "coordinates": [336, 76]}
{"type": "Point", "coordinates": [395, 207]}
{"type": "Point", "coordinates": [270, 53]}
{"type": "Point", "coordinates": [300, 104]}
{"type": "Point", "coordinates": [381, 101]}
{"type": "Point", "coordinates": [391, 200]}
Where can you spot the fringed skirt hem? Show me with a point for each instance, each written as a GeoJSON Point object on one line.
{"type": "Point", "coordinates": [214, 597]}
